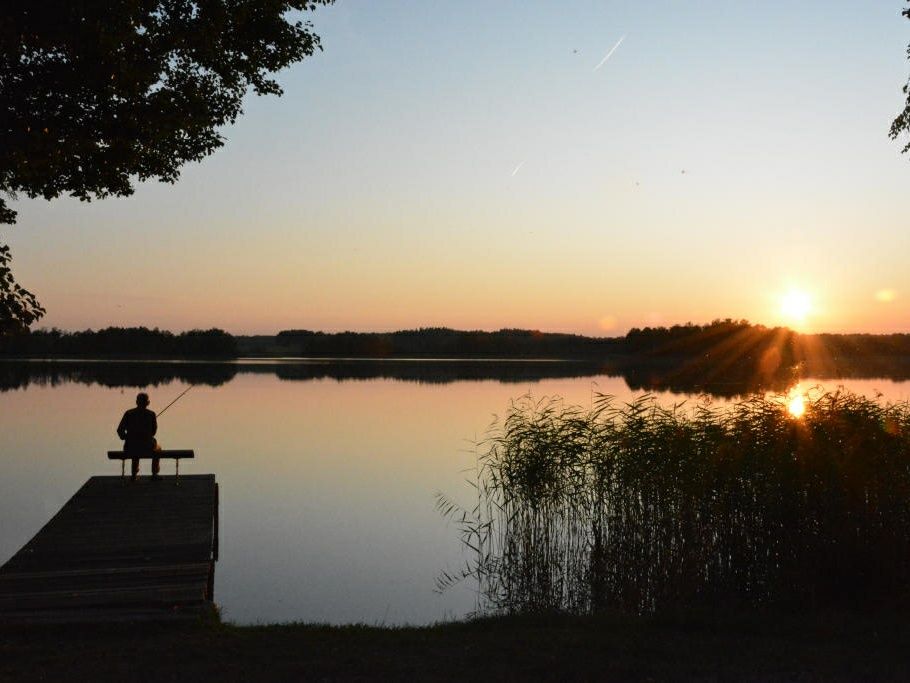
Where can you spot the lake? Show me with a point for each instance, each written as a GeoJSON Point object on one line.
{"type": "Point", "coordinates": [328, 469]}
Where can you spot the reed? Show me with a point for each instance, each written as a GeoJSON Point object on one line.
{"type": "Point", "coordinates": [642, 508]}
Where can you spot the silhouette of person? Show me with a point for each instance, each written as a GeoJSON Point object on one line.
{"type": "Point", "coordinates": [137, 428]}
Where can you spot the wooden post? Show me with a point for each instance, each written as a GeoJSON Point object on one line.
{"type": "Point", "coordinates": [210, 585]}
{"type": "Point", "coordinates": [217, 506]}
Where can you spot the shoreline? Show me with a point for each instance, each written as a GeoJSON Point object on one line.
{"type": "Point", "coordinates": [829, 646]}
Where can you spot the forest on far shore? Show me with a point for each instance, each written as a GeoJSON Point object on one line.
{"type": "Point", "coordinates": [120, 342]}
{"type": "Point", "coordinates": [721, 340]}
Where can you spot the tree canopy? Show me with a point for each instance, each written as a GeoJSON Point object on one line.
{"type": "Point", "coordinates": [95, 95]}
{"type": "Point", "coordinates": [901, 125]}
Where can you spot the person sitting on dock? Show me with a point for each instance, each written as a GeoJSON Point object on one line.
{"type": "Point", "coordinates": [137, 428]}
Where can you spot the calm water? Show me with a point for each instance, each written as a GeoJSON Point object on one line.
{"type": "Point", "coordinates": [327, 471]}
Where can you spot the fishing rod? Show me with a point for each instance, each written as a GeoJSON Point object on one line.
{"type": "Point", "coordinates": [174, 401]}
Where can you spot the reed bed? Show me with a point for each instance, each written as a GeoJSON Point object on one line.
{"type": "Point", "coordinates": [642, 508]}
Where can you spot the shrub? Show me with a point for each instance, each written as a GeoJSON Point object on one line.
{"type": "Point", "coordinates": [641, 507]}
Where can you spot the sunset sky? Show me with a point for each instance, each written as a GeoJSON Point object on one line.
{"type": "Point", "coordinates": [466, 164]}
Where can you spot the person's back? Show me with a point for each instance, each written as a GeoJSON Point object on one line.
{"type": "Point", "coordinates": [137, 428]}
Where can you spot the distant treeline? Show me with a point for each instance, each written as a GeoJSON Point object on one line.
{"type": "Point", "coordinates": [720, 346]}
{"type": "Point", "coordinates": [118, 342]}
{"type": "Point", "coordinates": [720, 338]}
{"type": "Point", "coordinates": [441, 342]}
{"type": "Point", "coordinates": [720, 335]}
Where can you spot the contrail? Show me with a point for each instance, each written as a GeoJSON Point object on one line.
{"type": "Point", "coordinates": [517, 168]}
{"type": "Point", "coordinates": [610, 53]}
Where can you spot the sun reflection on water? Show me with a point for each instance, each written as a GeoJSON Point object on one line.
{"type": "Point", "coordinates": [796, 405]}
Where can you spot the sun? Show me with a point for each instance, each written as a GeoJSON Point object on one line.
{"type": "Point", "coordinates": [796, 305]}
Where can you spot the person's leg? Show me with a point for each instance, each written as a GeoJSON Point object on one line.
{"type": "Point", "coordinates": [134, 468]}
{"type": "Point", "coordinates": [156, 466]}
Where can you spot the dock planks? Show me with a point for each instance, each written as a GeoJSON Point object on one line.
{"type": "Point", "coordinates": [119, 551]}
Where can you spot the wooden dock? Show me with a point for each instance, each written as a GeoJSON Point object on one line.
{"type": "Point", "coordinates": [119, 551]}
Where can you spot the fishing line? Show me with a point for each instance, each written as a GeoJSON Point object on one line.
{"type": "Point", "coordinates": [174, 401]}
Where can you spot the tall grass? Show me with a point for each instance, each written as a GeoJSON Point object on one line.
{"type": "Point", "coordinates": [641, 508]}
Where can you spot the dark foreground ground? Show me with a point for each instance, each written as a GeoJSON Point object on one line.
{"type": "Point", "coordinates": [753, 648]}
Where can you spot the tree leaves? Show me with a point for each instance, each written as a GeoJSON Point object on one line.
{"type": "Point", "coordinates": [18, 307]}
{"type": "Point", "coordinates": [901, 124]}
{"type": "Point", "coordinates": [95, 95]}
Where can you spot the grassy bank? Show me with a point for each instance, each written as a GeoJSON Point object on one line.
{"type": "Point", "coordinates": [755, 647]}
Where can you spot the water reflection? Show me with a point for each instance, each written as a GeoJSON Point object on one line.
{"type": "Point", "coordinates": [327, 484]}
{"type": "Point", "coordinates": [705, 375]}
{"type": "Point", "coordinates": [15, 374]}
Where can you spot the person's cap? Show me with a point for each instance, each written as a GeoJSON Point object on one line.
{"type": "Point", "coordinates": [142, 399]}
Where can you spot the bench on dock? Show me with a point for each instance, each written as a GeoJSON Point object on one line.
{"type": "Point", "coordinates": [175, 455]}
